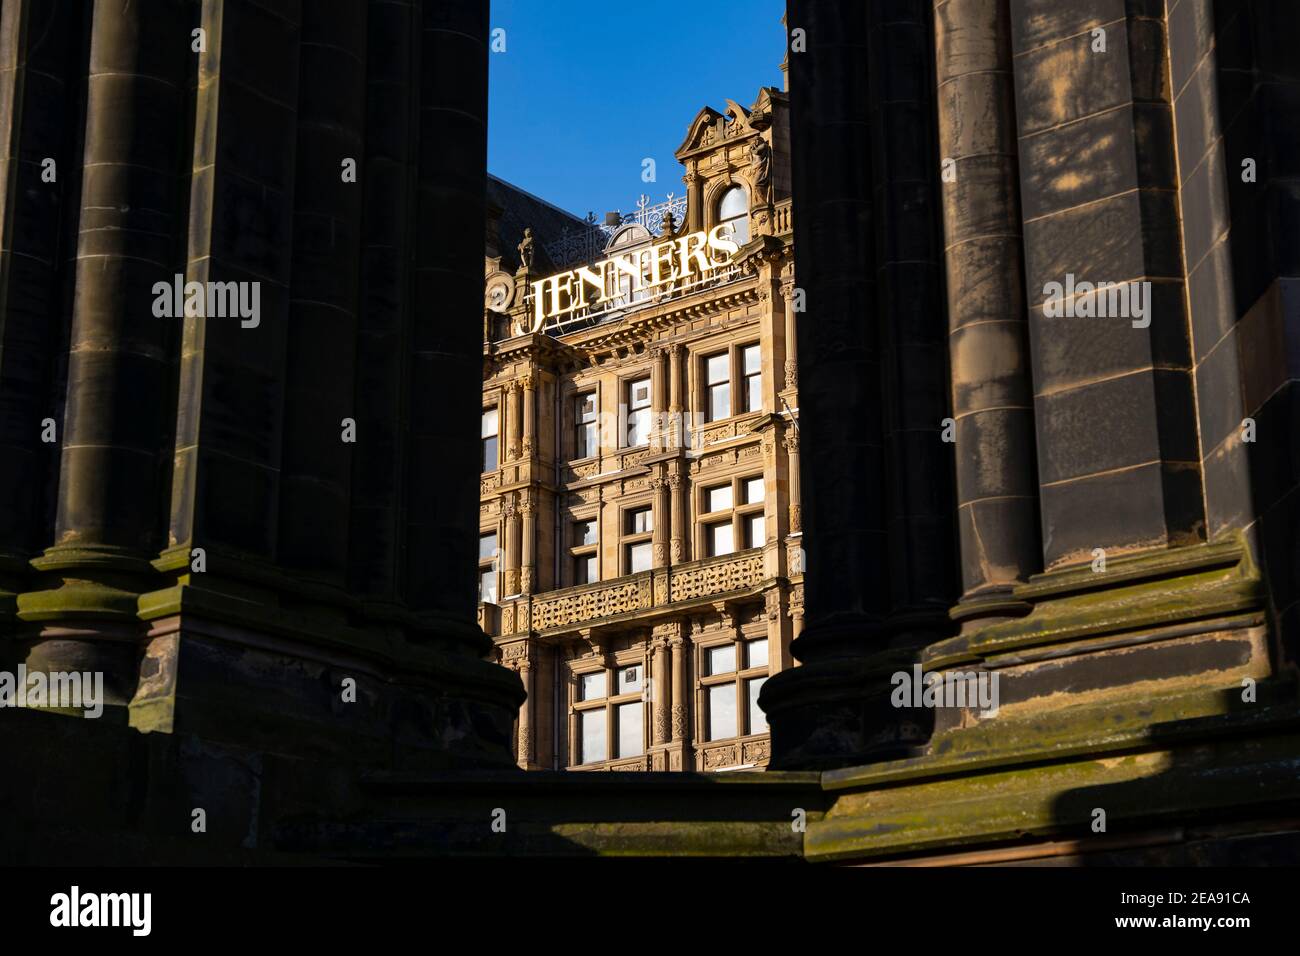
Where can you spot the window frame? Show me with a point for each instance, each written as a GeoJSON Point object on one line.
{"type": "Point", "coordinates": [737, 515]}
{"type": "Point", "coordinates": [627, 386]}
{"type": "Point", "coordinates": [579, 551]}
{"type": "Point", "coordinates": [578, 424]}
{"type": "Point", "coordinates": [492, 564]}
{"type": "Point", "coordinates": [737, 382]}
{"type": "Point", "coordinates": [493, 409]}
{"type": "Point", "coordinates": [740, 677]}
{"type": "Point", "coordinates": [610, 703]}
{"type": "Point", "coordinates": [628, 539]}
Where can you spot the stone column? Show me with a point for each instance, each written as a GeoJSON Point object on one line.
{"type": "Point", "coordinates": [513, 540]}
{"type": "Point", "coordinates": [681, 693]}
{"type": "Point", "coordinates": [992, 396]}
{"type": "Point", "coordinates": [663, 693]}
{"type": "Point", "coordinates": [39, 86]}
{"type": "Point", "coordinates": [316, 464]}
{"type": "Point", "coordinates": [525, 746]}
{"type": "Point", "coordinates": [116, 419]}
{"type": "Point", "coordinates": [677, 400]}
{"type": "Point", "coordinates": [680, 509]}
{"type": "Point", "coordinates": [530, 444]}
{"type": "Point", "coordinates": [658, 400]}
{"type": "Point", "coordinates": [1118, 456]}
{"type": "Point", "coordinates": [694, 200]}
{"type": "Point", "coordinates": [660, 516]}
{"type": "Point", "coordinates": [791, 440]}
{"type": "Point", "coordinates": [528, 553]}
{"type": "Point", "coordinates": [513, 421]}
{"type": "Point", "coordinates": [791, 333]}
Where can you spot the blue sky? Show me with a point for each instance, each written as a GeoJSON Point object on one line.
{"type": "Point", "coordinates": [586, 90]}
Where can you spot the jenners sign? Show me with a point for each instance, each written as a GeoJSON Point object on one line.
{"type": "Point", "coordinates": [690, 258]}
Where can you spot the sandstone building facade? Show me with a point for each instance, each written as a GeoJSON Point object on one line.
{"type": "Point", "coordinates": [640, 559]}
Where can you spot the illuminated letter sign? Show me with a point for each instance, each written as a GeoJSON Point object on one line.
{"type": "Point", "coordinates": [693, 256]}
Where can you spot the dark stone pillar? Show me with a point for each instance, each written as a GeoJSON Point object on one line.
{"type": "Point", "coordinates": [446, 361]}
{"type": "Point", "coordinates": [388, 173]}
{"type": "Point", "coordinates": [316, 469]}
{"type": "Point", "coordinates": [39, 85]}
{"type": "Point", "coordinates": [992, 396]}
{"type": "Point", "coordinates": [815, 711]}
{"type": "Point", "coordinates": [116, 421]}
{"type": "Point", "coordinates": [1118, 462]}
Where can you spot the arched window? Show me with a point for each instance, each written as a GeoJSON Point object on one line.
{"type": "Point", "coordinates": [733, 210]}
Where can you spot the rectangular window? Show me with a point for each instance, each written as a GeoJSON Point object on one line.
{"type": "Point", "coordinates": [487, 586]}
{"type": "Point", "coordinates": [592, 686]}
{"type": "Point", "coordinates": [594, 746]}
{"type": "Point", "coordinates": [640, 521]}
{"type": "Point", "coordinates": [718, 499]}
{"type": "Point", "coordinates": [587, 435]}
{"type": "Point", "coordinates": [488, 433]}
{"type": "Point", "coordinates": [638, 413]}
{"type": "Point", "coordinates": [585, 569]}
{"type": "Point", "coordinates": [631, 733]}
{"type": "Point", "coordinates": [629, 680]}
{"type": "Point", "coordinates": [717, 373]}
{"type": "Point", "coordinates": [756, 653]}
{"type": "Point", "coordinates": [584, 532]}
{"type": "Point", "coordinates": [722, 660]}
{"type": "Point", "coordinates": [753, 491]}
{"type": "Point", "coordinates": [722, 711]}
{"type": "Point", "coordinates": [751, 359]}
{"type": "Point", "coordinates": [721, 539]}
{"type": "Point", "coordinates": [487, 568]}
{"type": "Point", "coordinates": [754, 531]}
{"type": "Point", "coordinates": [757, 719]}
{"type": "Point", "coordinates": [639, 557]}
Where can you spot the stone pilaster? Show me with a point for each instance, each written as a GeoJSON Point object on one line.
{"type": "Point", "coordinates": [992, 395]}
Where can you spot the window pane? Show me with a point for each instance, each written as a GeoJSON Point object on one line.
{"type": "Point", "coordinates": [585, 532]}
{"type": "Point", "coordinates": [640, 521]}
{"type": "Point", "coordinates": [631, 737]}
{"type": "Point", "coordinates": [718, 369]}
{"type": "Point", "coordinates": [722, 660]}
{"type": "Point", "coordinates": [719, 402]}
{"type": "Point", "coordinates": [719, 498]}
{"type": "Point", "coordinates": [587, 407]}
{"type": "Point", "coordinates": [756, 652]}
{"type": "Point", "coordinates": [489, 423]}
{"type": "Point", "coordinates": [721, 540]}
{"type": "Point", "coordinates": [752, 359]}
{"type": "Point", "coordinates": [585, 444]}
{"type": "Point", "coordinates": [487, 546]}
{"type": "Point", "coordinates": [593, 686]}
{"type": "Point", "coordinates": [585, 570]}
{"type": "Point", "coordinates": [489, 454]}
{"type": "Point", "coordinates": [594, 746]}
{"type": "Point", "coordinates": [487, 587]}
{"type": "Point", "coordinates": [754, 489]}
{"type": "Point", "coordinates": [757, 719]}
{"type": "Point", "coordinates": [753, 393]}
{"type": "Point", "coordinates": [754, 528]}
{"type": "Point", "coordinates": [639, 394]}
{"type": "Point", "coordinates": [722, 711]}
{"type": "Point", "coordinates": [638, 557]}
{"type": "Point", "coordinates": [629, 679]}
{"type": "Point", "coordinates": [638, 428]}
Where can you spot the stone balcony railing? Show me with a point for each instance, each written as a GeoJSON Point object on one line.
{"type": "Point", "coordinates": [781, 219]}
{"type": "Point", "coordinates": [588, 604]}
